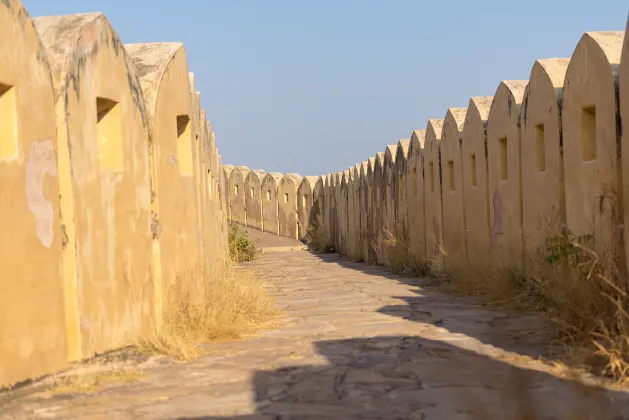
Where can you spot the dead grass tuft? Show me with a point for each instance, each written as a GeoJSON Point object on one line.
{"type": "Point", "coordinates": [582, 292]}
{"type": "Point", "coordinates": [90, 382]}
{"type": "Point", "coordinates": [399, 254]}
{"type": "Point", "coordinates": [231, 305]}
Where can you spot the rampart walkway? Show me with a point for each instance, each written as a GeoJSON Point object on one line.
{"type": "Point", "coordinates": [357, 343]}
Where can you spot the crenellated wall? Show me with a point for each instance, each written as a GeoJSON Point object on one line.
{"type": "Point", "coordinates": [491, 182]}
{"type": "Point", "coordinates": [111, 188]}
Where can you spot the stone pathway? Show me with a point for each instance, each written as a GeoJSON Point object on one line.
{"type": "Point", "coordinates": [358, 343]}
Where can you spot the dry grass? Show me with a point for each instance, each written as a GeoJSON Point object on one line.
{"type": "Point", "coordinates": [90, 382]}
{"type": "Point", "coordinates": [399, 255]}
{"type": "Point", "coordinates": [230, 305]}
{"type": "Point", "coordinates": [584, 294]}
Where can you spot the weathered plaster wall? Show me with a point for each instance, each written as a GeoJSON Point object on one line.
{"type": "Point", "coordinates": [253, 198]}
{"type": "Point", "coordinates": [505, 196]}
{"type": "Point", "coordinates": [474, 163]}
{"type": "Point", "coordinates": [32, 325]}
{"type": "Point", "coordinates": [591, 134]}
{"type": "Point", "coordinates": [370, 236]}
{"type": "Point", "coordinates": [305, 200]}
{"type": "Point", "coordinates": [388, 202]}
{"type": "Point", "coordinates": [287, 205]}
{"type": "Point", "coordinates": [103, 128]}
{"type": "Point", "coordinates": [399, 180]}
{"type": "Point", "coordinates": [542, 164]}
{"type": "Point", "coordinates": [354, 217]}
{"type": "Point", "coordinates": [163, 71]}
{"type": "Point", "coordinates": [269, 202]}
{"type": "Point", "coordinates": [432, 190]}
{"type": "Point", "coordinates": [237, 194]}
{"type": "Point", "coordinates": [225, 174]}
{"type": "Point", "coordinates": [452, 194]}
{"type": "Point", "coordinates": [379, 194]}
{"type": "Point", "coordinates": [110, 191]}
{"type": "Point", "coordinates": [415, 193]}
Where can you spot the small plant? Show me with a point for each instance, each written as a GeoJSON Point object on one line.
{"type": "Point", "coordinates": [241, 247]}
{"type": "Point", "coordinates": [566, 247]}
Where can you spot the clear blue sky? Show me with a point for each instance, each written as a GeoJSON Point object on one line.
{"type": "Point", "coordinates": [316, 87]}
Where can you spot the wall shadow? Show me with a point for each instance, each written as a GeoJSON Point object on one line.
{"type": "Point", "coordinates": [525, 334]}
{"type": "Point", "coordinates": [411, 377]}
{"type": "Point", "coordinates": [406, 377]}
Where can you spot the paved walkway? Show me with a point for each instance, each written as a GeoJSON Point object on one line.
{"type": "Point", "coordinates": [358, 343]}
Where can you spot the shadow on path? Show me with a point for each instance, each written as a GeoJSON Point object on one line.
{"type": "Point", "coordinates": [414, 377]}
{"type": "Point", "coordinates": [396, 377]}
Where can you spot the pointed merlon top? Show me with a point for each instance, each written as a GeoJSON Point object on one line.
{"type": "Point", "coordinates": [152, 57]}
{"type": "Point", "coordinates": [457, 115]}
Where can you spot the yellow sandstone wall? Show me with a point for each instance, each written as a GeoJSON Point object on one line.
{"type": "Point", "coordinates": [103, 129]}
{"type": "Point", "coordinates": [32, 315]}
{"type": "Point", "coordinates": [475, 188]}
{"type": "Point", "coordinates": [111, 188]}
{"type": "Point", "coordinates": [415, 192]}
{"type": "Point", "coordinates": [270, 202]}
{"type": "Point", "coordinates": [237, 203]}
{"type": "Point", "coordinates": [163, 72]}
{"type": "Point", "coordinates": [253, 198]}
{"type": "Point", "coordinates": [591, 135]}
{"type": "Point", "coordinates": [492, 183]}
{"type": "Point", "coordinates": [452, 194]}
{"type": "Point", "coordinates": [542, 164]}
{"type": "Point", "coordinates": [287, 205]}
{"type": "Point", "coordinates": [504, 182]}
{"type": "Point", "coordinates": [432, 190]}
{"type": "Point", "coordinates": [305, 200]}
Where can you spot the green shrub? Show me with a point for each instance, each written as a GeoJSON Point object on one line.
{"type": "Point", "coordinates": [241, 247]}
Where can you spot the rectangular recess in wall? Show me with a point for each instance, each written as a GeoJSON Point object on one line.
{"type": "Point", "coordinates": [588, 133]}
{"type": "Point", "coordinates": [236, 189]}
{"type": "Point", "coordinates": [503, 169]}
{"type": "Point", "coordinates": [109, 133]}
{"type": "Point", "coordinates": [286, 197]}
{"type": "Point", "coordinates": [8, 123]}
{"type": "Point", "coordinates": [253, 192]}
{"type": "Point", "coordinates": [540, 148]}
{"type": "Point", "coordinates": [268, 195]}
{"type": "Point", "coordinates": [431, 167]}
{"type": "Point", "coordinates": [473, 169]}
{"type": "Point", "coordinates": [414, 181]}
{"type": "Point", "coordinates": [184, 145]}
{"type": "Point", "coordinates": [304, 200]}
{"type": "Point", "coordinates": [451, 175]}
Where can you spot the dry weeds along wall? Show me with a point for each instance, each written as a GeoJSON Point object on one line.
{"type": "Point", "coordinates": [489, 184]}
{"type": "Point", "coordinates": [112, 188]}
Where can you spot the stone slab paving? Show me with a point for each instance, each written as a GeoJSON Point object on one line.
{"type": "Point", "coordinates": [357, 343]}
{"type": "Point", "coordinates": [268, 242]}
